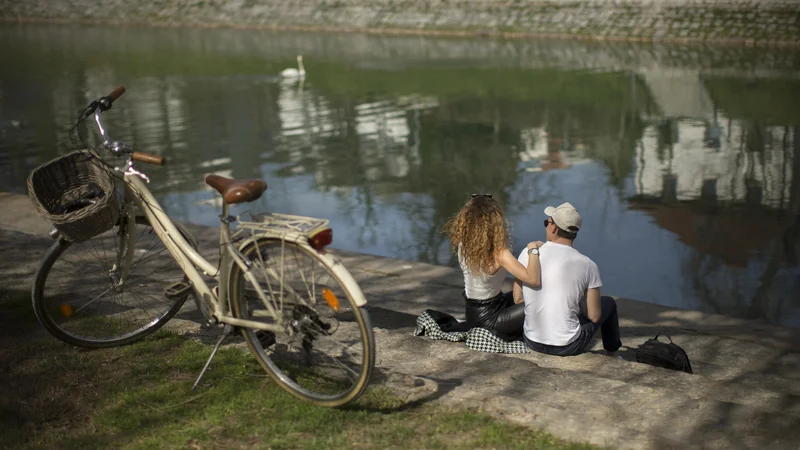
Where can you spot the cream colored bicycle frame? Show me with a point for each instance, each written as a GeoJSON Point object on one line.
{"type": "Point", "coordinates": [193, 264]}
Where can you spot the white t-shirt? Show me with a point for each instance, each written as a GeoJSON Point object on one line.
{"type": "Point", "coordinates": [551, 311]}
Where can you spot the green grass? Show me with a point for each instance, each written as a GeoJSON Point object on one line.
{"type": "Point", "coordinates": [86, 325]}
{"type": "Point", "coordinates": [57, 396]}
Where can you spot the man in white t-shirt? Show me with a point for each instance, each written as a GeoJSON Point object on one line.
{"type": "Point", "coordinates": [562, 315]}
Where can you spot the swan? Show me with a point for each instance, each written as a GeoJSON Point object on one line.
{"type": "Point", "coordinates": [294, 73]}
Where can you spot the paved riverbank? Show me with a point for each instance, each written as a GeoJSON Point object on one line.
{"type": "Point", "coordinates": [751, 22]}
{"type": "Point", "coordinates": [744, 393]}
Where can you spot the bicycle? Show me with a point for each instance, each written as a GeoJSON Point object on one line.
{"type": "Point", "coordinates": [275, 282]}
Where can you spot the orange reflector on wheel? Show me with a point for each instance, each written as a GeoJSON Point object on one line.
{"type": "Point", "coordinates": [330, 298]}
{"type": "Point", "coordinates": [66, 309]}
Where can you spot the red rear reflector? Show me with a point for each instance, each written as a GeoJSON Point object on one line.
{"type": "Point", "coordinates": [321, 239]}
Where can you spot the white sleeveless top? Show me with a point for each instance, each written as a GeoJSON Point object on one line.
{"type": "Point", "coordinates": [481, 286]}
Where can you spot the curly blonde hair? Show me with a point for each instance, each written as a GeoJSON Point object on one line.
{"type": "Point", "coordinates": [480, 228]}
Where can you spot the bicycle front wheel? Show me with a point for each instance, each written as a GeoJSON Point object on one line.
{"type": "Point", "coordinates": [326, 351]}
{"type": "Point", "coordinates": [78, 298]}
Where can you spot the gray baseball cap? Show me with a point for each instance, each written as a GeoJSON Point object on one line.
{"type": "Point", "coordinates": [565, 216]}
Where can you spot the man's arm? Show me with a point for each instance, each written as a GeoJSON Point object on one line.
{"type": "Point", "coordinates": [518, 298]}
{"type": "Point", "coordinates": [593, 311]}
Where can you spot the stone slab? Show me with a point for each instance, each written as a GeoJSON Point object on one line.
{"type": "Point", "coordinates": [745, 392]}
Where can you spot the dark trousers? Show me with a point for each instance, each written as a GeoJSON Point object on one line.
{"type": "Point", "coordinates": [498, 314]}
{"type": "Point", "coordinates": [608, 325]}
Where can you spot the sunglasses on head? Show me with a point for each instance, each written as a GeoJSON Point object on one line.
{"type": "Point", "coordinates": [481, 195]}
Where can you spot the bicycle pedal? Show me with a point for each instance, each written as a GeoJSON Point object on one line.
{"type": "Point", "coordinates": [177, 290]}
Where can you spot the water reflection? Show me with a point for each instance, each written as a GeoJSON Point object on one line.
{"type": "Point", "coordinates": [687, 178]}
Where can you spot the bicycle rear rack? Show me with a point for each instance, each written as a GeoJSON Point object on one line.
{"type": "Point", "coordinates": [283, 225]}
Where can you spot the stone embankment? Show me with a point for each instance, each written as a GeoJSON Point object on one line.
{"type": "Point", "coordinates": [744, 392]}
{"type": "Point", "coordinates": [751, 22]}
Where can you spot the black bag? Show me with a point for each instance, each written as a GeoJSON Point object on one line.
{"type": "Point", "coordinates": [661, 354]}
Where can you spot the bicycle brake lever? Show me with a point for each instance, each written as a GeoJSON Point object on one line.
{"type": "Point", "coordinates": [132, 171]}
{"type": "Point", "coordinates": [90, 109]}
{"type": "Point", "coordinates": [129, 170]}
{"type": "Point", "coordinates": [102, 103]}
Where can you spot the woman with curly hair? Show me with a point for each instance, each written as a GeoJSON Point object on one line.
{"type": "Point", "coordinates": [479, 236]}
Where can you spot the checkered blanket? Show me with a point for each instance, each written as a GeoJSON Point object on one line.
{"type": "Point", "coordinates": [479, 339]}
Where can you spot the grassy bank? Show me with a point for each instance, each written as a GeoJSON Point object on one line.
{"type": "Point", "coordinates": [57, 396]}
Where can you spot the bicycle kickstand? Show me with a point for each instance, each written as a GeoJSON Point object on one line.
{"type": "Point", "coordinates": [226, 330]}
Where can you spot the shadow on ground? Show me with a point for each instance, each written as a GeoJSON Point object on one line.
{"type": "Point", "coordinates": [745, 392]}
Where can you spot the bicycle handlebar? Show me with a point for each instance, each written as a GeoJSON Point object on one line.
{"type": "Point", "coordinates": [103, 104]}
{"type": "Point", "coordinates": [116, 93]}
{"type": "Point", "coordinates": [148, 158]}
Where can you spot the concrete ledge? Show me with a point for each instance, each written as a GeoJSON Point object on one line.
{"type": "Point", "coordinates": [745, 392]}
{"type": "Point", "coordinates": [428, 281]}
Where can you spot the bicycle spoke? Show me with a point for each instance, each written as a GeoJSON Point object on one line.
{"type": "Point", "coordinates": [267, 279]}
{"type": "Point", "coordinates": [93, 300]}
{"type": "Point", "coordinates": [78, 269]}
{"type": "Point", "coordinates": [81, 274]}
{"type": "Point", "coordinates": [103, 267]}
{"type": "Point", "coordinates": [96, 253]}
{"type": "Point", "coordinates": [322, 355]}
{"type": "Point", "coordinates": [155, 271]}
{"type": "Point", "coordinates": [133, 267]}
{"type": "Point", "coordinates": [302, 276]}
{"type": "Point", "coordinates": [136, 297]}
{"type": "Point", "coordinates": [134, 264]}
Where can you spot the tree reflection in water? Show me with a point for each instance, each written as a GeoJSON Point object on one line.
{"type": "Point", "coordinates": [391, 148]}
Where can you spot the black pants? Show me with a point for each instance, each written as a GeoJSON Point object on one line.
{"type": "Point", "coordinates": [498, 314]}
{"type": "Point", "coordinates": [608, 327]}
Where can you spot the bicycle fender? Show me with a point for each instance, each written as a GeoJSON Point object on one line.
{"type": "Point", "coordinates": [348, 282]}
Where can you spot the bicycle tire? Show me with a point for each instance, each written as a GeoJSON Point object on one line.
{"type": "Point", "coordinates": [352, 322]}
{"type": "Point", "coordinates": [65, 254]}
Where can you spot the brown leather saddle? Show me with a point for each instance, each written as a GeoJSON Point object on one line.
{"type": "Point", "coordinates": [237, 191]}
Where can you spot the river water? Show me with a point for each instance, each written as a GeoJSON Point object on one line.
{"type": "Point", "coordinates": [683, 161]}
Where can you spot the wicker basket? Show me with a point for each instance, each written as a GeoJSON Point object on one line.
{"type": "Point", "coordinates": [75, 193]}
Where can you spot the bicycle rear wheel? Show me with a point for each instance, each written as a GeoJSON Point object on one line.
{"type": "Point", "coordinates": [327, 350]}
{"type": "Point", "coordinates": [75, 295]}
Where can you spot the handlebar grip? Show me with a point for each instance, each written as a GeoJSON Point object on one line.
{"type": "Point", "coordinates": [116, 93]}
{"type": "Point", "coordinates": [148, 158]}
